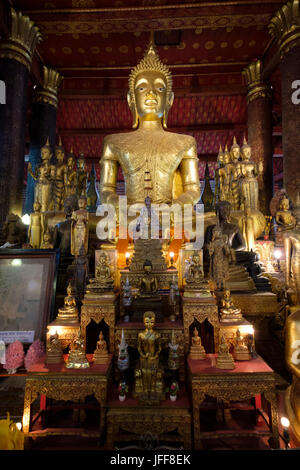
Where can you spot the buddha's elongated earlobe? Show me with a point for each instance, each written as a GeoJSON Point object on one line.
{"type": "Point", "coordinates": [166, 112]}
{"type": "Point", "coordinates": [133, 110]}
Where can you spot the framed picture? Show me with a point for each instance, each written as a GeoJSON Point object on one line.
{"type": "Point", "coordinates": [27, 292]}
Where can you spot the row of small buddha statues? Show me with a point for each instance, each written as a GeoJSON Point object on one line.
{"type": "Point", "coordinates": [236, 177]}
{"type": "Point", "coordinates": [55, 182]}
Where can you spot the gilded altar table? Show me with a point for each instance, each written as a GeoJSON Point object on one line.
{"type": "Point", "coordinates": [168, 422]}
{"type": "Point", "coordinates": [59, 383]}
{"type": "Point", "coordinates": [248, 379]}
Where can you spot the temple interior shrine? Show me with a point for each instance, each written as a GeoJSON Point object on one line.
{"type": "Point", "coordinates": [149, 225]}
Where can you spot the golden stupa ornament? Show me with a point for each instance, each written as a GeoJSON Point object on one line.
{"type": "Point", "coordinates": [150, 62]}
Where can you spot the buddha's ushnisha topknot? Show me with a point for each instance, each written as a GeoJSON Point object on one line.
{"type": "Point", "coordinates": [152, 62]}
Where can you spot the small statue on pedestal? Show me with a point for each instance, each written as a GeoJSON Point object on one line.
{"type": "Point", "coordinates": [82, 176]}
{"type": "Point", "coordinates": [46, 244]}
{"type": "Point", "coordinates": [224, 359]}
{"type": "Point", "coordinates": [148, 284]}
{"type": "Point", "coordinates": [197, 351]}
{"type": "Point", "coordinates": [103, 280]}
{"type": "Point", "coordinates": [148, 385]}
{"type": "Point", "coordinates": [127, 297]}
{"type": "Point", "coordinates": [228, 311]}
{"type": "Point", "coordinates": [36, 226]}
{"type": "Point", "coordinates": [68, 313]}
{"type": "Point", "coordinates": [80, 228]}
{"type": "Point", "coordinates": [240, 351]}
{"type": "Point", "coordinates": [54, 350]}
{"type": "Point", "coordinates": [173, 358]}
{"type": "Point", "coordinates": [101, 353]}
{"type": "Point", "coordinates": [77, 358]}
{"type": "Point", "coordinates": [70, 176]}
{"type": "Point", "coordinates": [220, 254]}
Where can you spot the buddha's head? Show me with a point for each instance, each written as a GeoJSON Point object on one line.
{"type": "Point", "coordinates": [82, 202]}
{"type": "Point", "coordinates": [284, 204]}
{"type": "Point", "coordinates": [102, 258]}
{"type": "Point", "coordinates": [226, 156]}
{"type": "Point", "coordinates": [220, 156]}
{"type": "Point", "coordinates": [196, 333]}
{"type": "Point", "coordinates": [226, 295]}
{"type": "Point", "coordinates": [150, 95]}
{"type": "Point", "coordinates": [59, 152]}
{"type": "Point", "coordinates": [47, 236]}
{"type": "Point", "coordinates": [46, 151]}
{"type": "Point", "coordinates": [246, 151]}
{"type": "Point", "coordinates": [37, 206]}
{"type": "Point", "coordinates": [223, 209]}
{"type": "Point", "coordinates": [196, 259]}
{"type": "Point", "coordinates": [235, 151]}
{"type": "Point", "coordinates": [149, 320]}
{"type": "Point", "coordinates": [70, 160]}
{"type": "Point", "coordinates": [81, 162]}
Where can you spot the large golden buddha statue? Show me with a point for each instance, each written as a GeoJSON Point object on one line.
{"type": "Point", "coordinates": [292, 350]}
{"type": "Point", "coordinates": [169, 159]}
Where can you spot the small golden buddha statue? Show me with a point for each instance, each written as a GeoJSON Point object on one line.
{"type": "Point", "coordinates": [248, 224]}
{"type": "Point", "coordinates": [46, 244]}
{"type": "Point", "coordinates": [80, 228]}
{"type": "Point", "coordinates": [103, 279]}
{"type": "Point", "coordinates": [229, 312]}
{"type": "Point", "coordinates": [225, 175]}
{"type": "Point", "coordinates": [240, 351]}
{"type": "Point", "coordinates": [70, 176]}
{"type": "Point", "coordinates": [54, 350]}
{"type": "Point", "coordinates": [284, 217]}
{"type": "Point", "coordinates": [291, 240]}
{"type": "Point", "coordinates": [248, 182]}
{"type": "Point", "coordinates": [150, 154]}
{"type": "Point", "coordinates": [224, 359]}
{"type": "Point", "coordinates": [101, 353]}
{"type": "Point", "coordinates": [58, 176]}
{"type": "Point", "coordinates": [82, 176]}
{"type": "Point", "coordinates": [36, 226]}
{"type": "Point", "coordinates": [77, 358]}
{"type": "Point", "coordinates": [220, 256]}
{"type": "Point", "coordinates": [68, 313]}
{"type": "Point", "coordinates": [173, 357]}
{"type": "Point", "coordinates": [195, 272]}
{"type": "Point", "coordinates": [148, 385]}
{"type": "Point", "coordinates": [148, 284]}
{"type": "Point", "coordinates": [235, 169]}
{"type": "Point", "coordinates": [42, 176]}
{"type": "Point", "coordinates": [197, 351]}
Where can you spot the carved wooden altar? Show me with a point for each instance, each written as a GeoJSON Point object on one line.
{"type": "Point", "coordinates": [247, 380]}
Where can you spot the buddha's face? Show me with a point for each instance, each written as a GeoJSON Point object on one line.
{"type": "Point", "coordinates": [148, 268]}
{"type": "Point", "coordinates": [227, 294]}
{"type": "Point", "coordinates": [150, 94]}
{"type": "Point", "coordinates": [224, 212]}
{"type": "Point", "coordinates": [59, 155]}
{"type": "Point", "coordinates": [81, 203]}
{"type": "Point", "coordinates": [226, 158]}
{"type": "Point", "coordinates": [196, 259]}
{"type": "Point", "coordinates": [285, 204]}
{"type": "Point", "coordinates": [246, 153]}
{"type": "Point", "coordinates": [70, 162]}
{"type": "Point", "coordinates": [235, 153]}
{"type": "Point", "coordinates": [36, 207]}
{"type": "Point", "coordinates": [149, 321]}
{"type": "Point", "coordinates": [81, 164]}
{"type": "Point", "coordinates": [45, 153]}
{"type": "Point", "coordinates": [220, 159]}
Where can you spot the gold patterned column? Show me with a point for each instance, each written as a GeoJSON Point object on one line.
{"type": "Point", "coordinates": [260, 128]}
{"type": "Point", "coordinates": [42, 125]}
{"type": "Point", "coordinates": [285, 29]}
{"type": "Point", "coordinates": [16, 52]}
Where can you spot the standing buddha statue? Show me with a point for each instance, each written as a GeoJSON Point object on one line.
{"type": "Point", "coordinates": [217, 176]}
{"type": "Point", "coordinates": [225, 175]}
{"type": "Point", "coordinates": [248, 182]}
{"type": "Point", "coordinates": [235, 153]}
{"type": "Point", "coordinates": [148, 385]}
{"type": "Point", "coordinates": [82, 176]}
{"type": "Point", "coordinates": [58, 176]}
{"type": "Point", "coordinates": [80, 228]}
{"type": "Point", "coordinates": [36, 226]}
{"type": "Point", "coordinates": [42, 176]}
{"type": "Point", "coordinates": [70, 176]}
{"type": "Point", "coordinates": [170, 159]}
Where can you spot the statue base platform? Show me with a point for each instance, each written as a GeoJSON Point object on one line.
{"type": "Point", "coordinates": [198, 355]}
{"type": "Point", "coordinates": [67, 332]}
{"type": "Point", "coordinates": [260, 304]}
{"type": "Point", "coordinates": [141, 305]}
{"type": "Point", "coordinates": [239, 280]}
{"type": "Point", "coordinates": [149, 398]}
{"type": "Point", "coordinates": [54, 359]}
{"type": "Point", "coordinates": [101, 359]}
{"type": "Point", "coordinates": [200, 290]}
{"type": "Point", "coordinates": [225, 363]}
{"type": "Point", "coordinates": [241, 355]}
